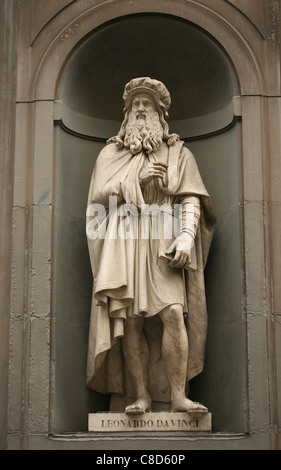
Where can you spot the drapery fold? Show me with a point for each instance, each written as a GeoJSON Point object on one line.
{"type": "Point", "coordinates": [129, 276]}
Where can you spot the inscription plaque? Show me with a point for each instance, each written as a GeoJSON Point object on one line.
{"type": "Point", "coordinates": [160, 421]}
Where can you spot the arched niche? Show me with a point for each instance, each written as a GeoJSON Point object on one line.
{"type": "Point", "coordinates": [202, 85]}
{"type": "Point", "coordinates": [183, 57]}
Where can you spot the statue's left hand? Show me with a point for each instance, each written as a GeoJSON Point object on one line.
{"type": "Point", "coordinates": [181, 248]}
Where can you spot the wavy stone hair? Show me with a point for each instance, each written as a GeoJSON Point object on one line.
{"type": "Point", "coordinates": [171, 139]}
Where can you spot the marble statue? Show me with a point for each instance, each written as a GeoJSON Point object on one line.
{"type": "Point", "coordinates": [149, 319]}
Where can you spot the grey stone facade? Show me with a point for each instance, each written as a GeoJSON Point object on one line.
{"type": "Point", "coordinates": [65, 64]}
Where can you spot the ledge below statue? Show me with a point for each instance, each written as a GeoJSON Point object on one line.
{"type": "Point", "coordinates": [159, 421]}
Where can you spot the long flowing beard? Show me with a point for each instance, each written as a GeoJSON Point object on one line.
{"type": "Point", "coordinates": [144, 134]}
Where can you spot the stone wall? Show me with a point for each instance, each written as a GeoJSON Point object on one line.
{"type": "Point", "coordinates": [8, 55]}
{"type": "Point", "coordinates": [40, 41]}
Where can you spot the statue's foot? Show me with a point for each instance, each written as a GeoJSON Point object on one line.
{"type": "Point", "coordinates": [197, 410]}
{"type": "Point", "coordinates": [139, 407]}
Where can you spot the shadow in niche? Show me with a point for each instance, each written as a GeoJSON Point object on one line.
{"type": "Point", "coordinates": [220, 385]}
{"type": "Point", "coordinates": [202, 88]}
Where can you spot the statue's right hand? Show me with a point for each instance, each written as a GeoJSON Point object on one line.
{"type": "Point", "coordinates": [152, 170]}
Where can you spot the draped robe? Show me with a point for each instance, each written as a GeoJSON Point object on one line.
{"type": "Point", "coordinates": [131, 279]}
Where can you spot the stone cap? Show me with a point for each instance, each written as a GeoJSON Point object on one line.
{"type": "Point", "coordinates": [148, 85]}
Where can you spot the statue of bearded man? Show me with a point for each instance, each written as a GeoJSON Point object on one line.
{"type": "Point", "coordinates": [149, 319]}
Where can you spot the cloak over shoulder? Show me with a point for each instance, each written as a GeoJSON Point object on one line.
{"type": "Point", "coordinates": [116, 173]}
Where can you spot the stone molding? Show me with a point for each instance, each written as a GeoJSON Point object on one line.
{"type": "Point", "coordinates": [253, 54]}
{"type": "Point", "coordinates": [53, 47]}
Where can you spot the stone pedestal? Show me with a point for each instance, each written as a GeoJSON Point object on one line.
{"type": "Point", "coordinates": [159, 421]}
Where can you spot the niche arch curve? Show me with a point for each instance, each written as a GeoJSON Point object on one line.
{"type": "Point", "coordinates": [59, 46]}
{"type": "Point", "coordinates": [217, 154]}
